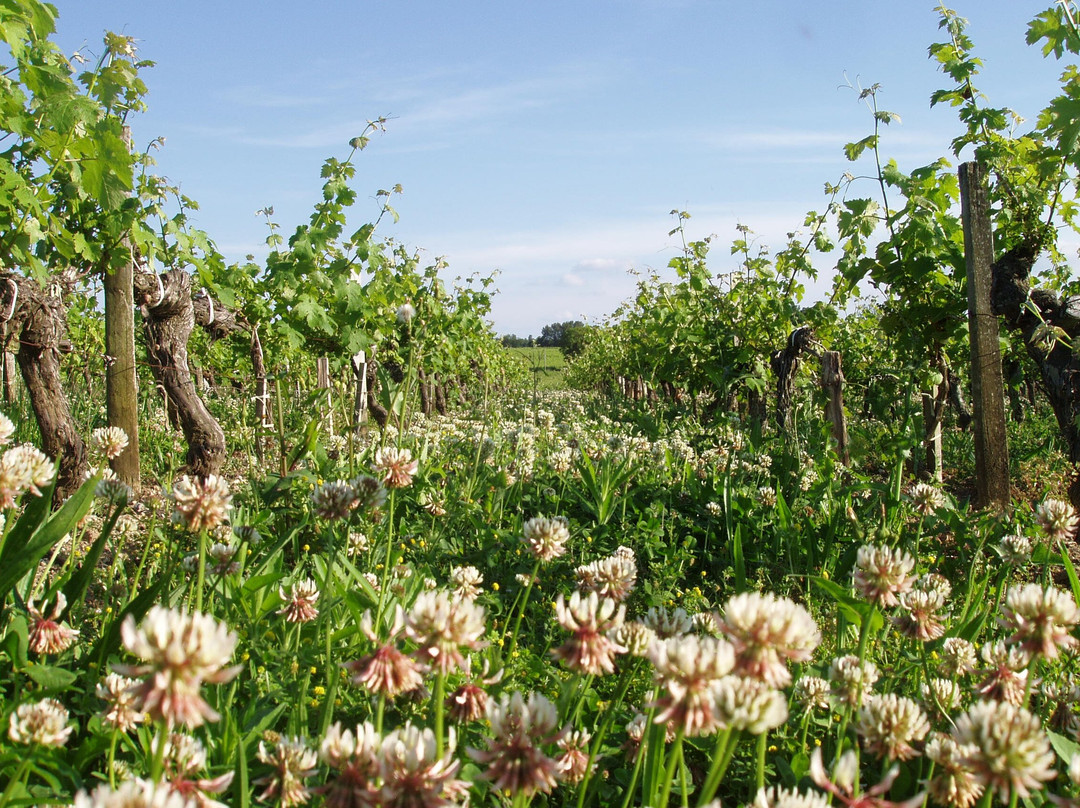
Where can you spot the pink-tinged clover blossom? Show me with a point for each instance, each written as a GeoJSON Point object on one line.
{"type": "Point", "coordinates": [515, 758]}
{"type": "Point", "coordinates": [767, 632]}
{"type": "Point", "coordinates": [180, 652]}
{"type": "Point", "coordinates": [590, 620]}
{"type": "Point", "coordinates": [47, 635]}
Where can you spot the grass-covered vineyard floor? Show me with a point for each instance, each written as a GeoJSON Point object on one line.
{"type": "Point", "coordinates": [539, 605]}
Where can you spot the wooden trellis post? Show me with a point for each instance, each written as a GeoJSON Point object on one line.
{"type": "Point", "coordinates": [987, 388]}
{"type": "Point", "coordinates": [322, 365]}
{"type": "Point", "coordinates": [360, 409]}
{"type": "Point", "coordinates": [121, 382]}
{"type": "Point", "coordinates": [832, 381]}
{"type": "Point", "coordinates": [10, 374]}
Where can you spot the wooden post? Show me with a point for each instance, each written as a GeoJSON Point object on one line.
{"type": "Point", "coordinates": [832, 381]}
{"type": "Point", "coordinates": [322, 365]}
{"type": "Point", "coordinates": [262, 392]}
{"type": "Point", "coordinates": [932, 435]}
{"type": "Point", "coordinates": [933, 406]}
{"type": "Point", "coordinates": [10, 373]}
{"type": "Point", "coordinates": [360, 409]}
{"type": "Point", "coordinates": [988, 400]}
{"type": "Point", "coordinates": [121, 383]}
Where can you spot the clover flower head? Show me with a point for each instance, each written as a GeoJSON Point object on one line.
{"type": "Point", "coordinates": [590, 619]}
{"type": "Point", "coordinates": [1057, 519]}
{"type": "Point", "coordinates": [882, 573]}
{"type": "Point", "coordinates": [767, 632]}
{"type": "Point", "coordinates": [109, 441]}
{"type": "Point", "coordinates": [201, 503]}
{"type": "Point", "coordinates": [546, 538]}
{"type": "Point", "coordinates": [40, 723]}
{"type": "Point", "coordinates": [181, 651]}
{"type": "Point", "coordinates": [1009, 750]}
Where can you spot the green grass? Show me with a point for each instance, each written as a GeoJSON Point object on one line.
{"type": "Point", "coordinates": [547, 364]}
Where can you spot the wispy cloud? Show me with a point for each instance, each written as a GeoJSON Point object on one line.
{"type": "Point", "coordinates": [600, 265]}
{"type": "Point", "coordinates": [801, 139]}
{"type": "Point", "coordinates": [427, 109]}
{"type": "Point", "coordinates": [266, 98]}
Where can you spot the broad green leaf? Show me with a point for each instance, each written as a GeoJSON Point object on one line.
{"type": "Point", "coordinates": [50, 678]}
{"type": "Point", "coordinates": [855, 610]}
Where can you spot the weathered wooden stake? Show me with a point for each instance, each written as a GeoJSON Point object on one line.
{"type": "Point", "coordinates": [322, 365]}
{"type": "Point", "coordinates": [10, 373]}
{"type": "Point", "coordinates": [988, 400]}
{"type": "Point", "coordinates": [933, 405]}
{"type": "Point", "coordinates": [121, 382]}
{"type": "Point", "coordinates": [262, 392]}
{"type": "Point", "coordinates": [832, 381]}
{"type": "Point", "coordinates": [360, 409]}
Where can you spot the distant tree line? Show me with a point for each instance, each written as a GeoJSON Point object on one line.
{"type": "Point", "coordinates": [570, 336]}
{"type": "Point", "coordinates": [514, 341]}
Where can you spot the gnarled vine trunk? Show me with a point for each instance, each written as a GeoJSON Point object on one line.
{"type": "Point", "coordinates": [168, 318]}
{"type": "Point", "coordinates": [39, 321]}
{"type": "Point", "coordinates": [785, 364]}
{"type": "Point", "coordinates": [1013, 298]}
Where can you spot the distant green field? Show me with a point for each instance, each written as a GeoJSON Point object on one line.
{"type": "Point", "coordinates": [547, 364]}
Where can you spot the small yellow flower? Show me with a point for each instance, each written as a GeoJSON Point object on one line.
{"type": "Point", "coordinates": [244, 657]}
{"type": "Point", "coordinates": [260, 670]}
{"type": "Point", "coordinates": [307, 547]}
{"type": "Point", "coordinates": [495, 586]}
{"type": "Point", "coordinates": [314, 670]}
{"type": "Point", "coordinates": [319, 690]}
{"type": "Point", "coordinates": [108, 610]}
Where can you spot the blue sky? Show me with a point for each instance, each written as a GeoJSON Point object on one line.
{"type": "Point", "coordinates": [548, 141]}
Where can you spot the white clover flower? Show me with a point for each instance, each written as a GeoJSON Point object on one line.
{"type": "Point", "coordinates": [41, 723]}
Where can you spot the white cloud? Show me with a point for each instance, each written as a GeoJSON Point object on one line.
{"type": "Point", "coordinates": [264, 98]}
{"type": "Point", "coordinates": [428, 108]}
{"type": "Point", "coordinates": [570, 279]}
{"type": "Point", "coordinates": [600, 265]}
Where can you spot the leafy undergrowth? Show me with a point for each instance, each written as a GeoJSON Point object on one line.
{"type": "Point", "coordinates": [538, 605]}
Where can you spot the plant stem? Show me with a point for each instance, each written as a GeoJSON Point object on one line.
{"type": "Point", "coordinates": [157, 765]}
{"type": "Point", "coordinates": [521, 612]}
{"type": "Point", "coordinates": [439, 705]}
{"type": "Point", "coordinates": [20, 773]}
{"type": "Point", "coordinates": [202, 572]}
{"type": "Point", "coordinates": [328, 626]}
{"type": "Point", "coordinates": [639, 758]}
{"type": "Point", "coordinates": [385, 584]}
{"type": "Point", "coordinates": [762, 746]}
{"type": "Point", "coordinates": [379, 710]}
{"type": "Point", "coordinates": [669, 773]}
{"type": "Point", "coordinates": [609, 719]}
{"type": "Point", "coordinates": [726, 742]}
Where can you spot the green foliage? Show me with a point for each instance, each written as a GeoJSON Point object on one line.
{"type": "Point", "coordinates": [705, 502]}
